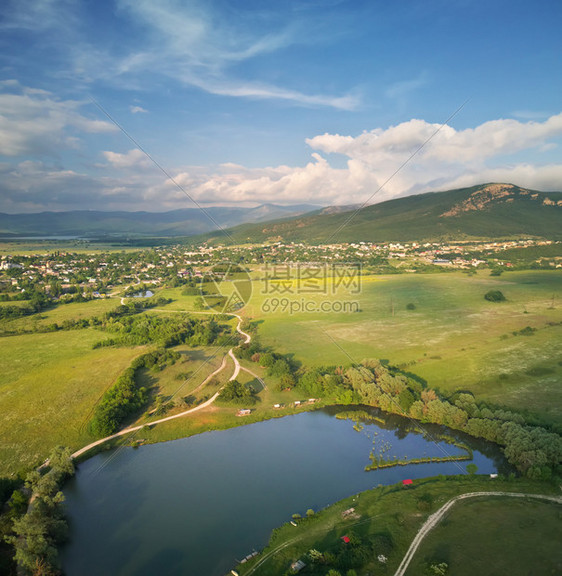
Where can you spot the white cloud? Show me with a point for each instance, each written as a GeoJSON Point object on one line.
{"type": "Point", "coordinates": [450, 159]}
{"type": "Point", "coordinates": [400, 90]}
{"type": "Point", "coordinates": [33, 121]}
{"type": "Point", "coordinates": [443, 144]}
{"type": "Point", "coordinates": [137, 110]}
{"type": "Point", "coordinates": [201, 48]}
{"type": "Point", "coordinates": [132, 159]}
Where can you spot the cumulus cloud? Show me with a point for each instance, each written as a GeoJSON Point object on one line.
{"type": "Point", "coordinates": [443, 144]}
{"type": "Point", "coordinates": [380, 164]}
{"type": "Point", "coordinates": [35, 121]}
{"type": "Point", "coordinates": [132, 159]}
{"type": "Point", "coordinates": [412, 157]}
{"type": "Point", "coordinates": [137, 110]}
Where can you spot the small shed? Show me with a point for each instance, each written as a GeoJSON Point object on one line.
{"type": "Point", "coordinates": [407, 482]}
{"type": "Point", "coordinates": [297, 566]}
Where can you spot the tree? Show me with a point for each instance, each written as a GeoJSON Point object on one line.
{"type": "Point", "coordinates": [471, 468]}
{"type": "Point", "coordinates": [237, 393]}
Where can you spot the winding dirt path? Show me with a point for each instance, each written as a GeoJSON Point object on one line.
{"type": "Point", "coordinates": [237, 369]}
{"type": "Point", "coordinates": [436, 517]}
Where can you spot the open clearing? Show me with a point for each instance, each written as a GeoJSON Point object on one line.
{"type": "Point", "coordinates": [495, 535]}
{"type": "Point", "coordinates": [454, 339]}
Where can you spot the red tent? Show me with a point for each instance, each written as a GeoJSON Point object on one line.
{"type": "Point", "coordinates": [407, 482]}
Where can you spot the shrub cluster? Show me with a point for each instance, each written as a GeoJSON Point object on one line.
{"type": "Point", "coordinates": [126, 396]}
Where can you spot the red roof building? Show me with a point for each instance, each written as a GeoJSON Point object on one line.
{"type": "Point", "coordinates": [407, 482]}
{"type": "Point", "coordinates": [346, 539]}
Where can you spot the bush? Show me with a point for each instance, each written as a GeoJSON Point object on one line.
{"type": "Point", "coordinates": [494, 296]}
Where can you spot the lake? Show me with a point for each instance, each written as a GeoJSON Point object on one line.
{"type": "Point", "coordinates": [194, 506]}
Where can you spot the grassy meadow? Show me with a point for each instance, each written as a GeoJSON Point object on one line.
{"type": "Point", "coordinates": [454, 339]}
{"type": "Point", "coordinates": [49, 384]}
{"type": "Point", "coordinates": [507, 535]}
{"type": "Point", "coordinates": [451, 337]}
{"type": "Point", "coordinates": [72, 311]}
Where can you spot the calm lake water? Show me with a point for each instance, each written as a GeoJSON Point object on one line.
{"type": "Point", "coordinates": [194, 506]}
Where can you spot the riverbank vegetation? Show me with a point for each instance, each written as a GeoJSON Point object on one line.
{"type": "Point", "coordinates": [380, 524]}
{"type": "Point", "coordinates": [38, 531]}
{"type": "Point", "coordinates": [533, 450]}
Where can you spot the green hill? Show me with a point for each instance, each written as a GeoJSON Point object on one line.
{"type": "Point", "coordinates": [484, 211]}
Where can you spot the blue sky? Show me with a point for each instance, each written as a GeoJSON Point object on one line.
{"type": "Point", "coordinates": [245, 102]}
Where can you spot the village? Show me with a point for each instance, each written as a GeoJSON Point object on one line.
{"type": "Point", "coordinates": [65, 274]}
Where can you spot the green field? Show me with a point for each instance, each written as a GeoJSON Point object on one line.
{"type": "Point", "coordinates": [386, 519]}
{"type": "Point", "coordinates": [454, 339]}
{"type": "Point", "coordinates": [495, 536]}
{"type": "Point", "coordinates": [49, 384]}
{"type": "Point", "coordinates": [72, 311]}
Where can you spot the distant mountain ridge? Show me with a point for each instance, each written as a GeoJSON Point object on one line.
{"type": "Point", "coordinates": [493, 210]}
{"type": "Point", "coordinates": [183, 222]}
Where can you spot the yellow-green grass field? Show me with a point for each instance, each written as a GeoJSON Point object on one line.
{"type": "Point", "coordinates": [495, 536]}
{"type": "Point", "coordinates": [49, 385]}
{"type": "Point", "coordinates": [454, 338]}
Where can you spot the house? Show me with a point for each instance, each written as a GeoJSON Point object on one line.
{"type": "Point", "coordinates": [407, 482]}
{"type": "Point", "coordinates": [244, 412]}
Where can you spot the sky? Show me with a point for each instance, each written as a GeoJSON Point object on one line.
{"type": "Point", "coordinates": [162, 104]}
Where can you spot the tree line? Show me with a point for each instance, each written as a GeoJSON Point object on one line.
{"type": "Point", "coordinates": [534, 451]}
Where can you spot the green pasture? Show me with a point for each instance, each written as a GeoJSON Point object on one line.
{"type": "Point", "coordinates": [49, 384]}
{"type": "Point", "coordinates": [386, 519]}
{"type": "Point", "coordinates": [495, 535]}
{"type": "Point", "coordinates": [62, 312]}
{"type": "Point", "coordinates": [453, 338]}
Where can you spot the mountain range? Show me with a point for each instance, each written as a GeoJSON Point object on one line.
{"type": "Point", "coordinates": [183, 222]}
{"type": "Point", "coordinates": [493, 210]}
